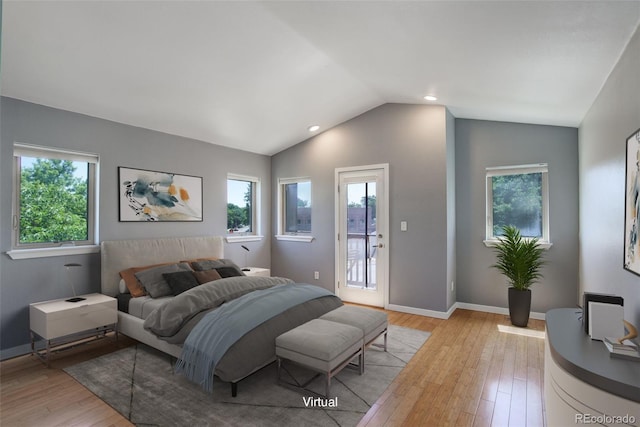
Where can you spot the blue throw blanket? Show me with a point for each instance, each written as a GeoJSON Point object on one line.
{"type": "Point", "coordinates": [221, 328]}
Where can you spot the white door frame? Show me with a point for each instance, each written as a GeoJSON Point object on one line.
{"type": "Point", "coordinates": [385, 224]}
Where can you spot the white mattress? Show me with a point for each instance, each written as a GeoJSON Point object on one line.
{"type": "Point", "coordinates": [141, 307]}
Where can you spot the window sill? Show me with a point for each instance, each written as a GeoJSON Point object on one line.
{"type": "Point", "coordinates": [490, 243]}
{"type": "Point", "coordinates": [49, 252]}
{"type": "Point", "coordinates": [295, 238]}
{"type": "Point", "coordinates": [245, 238]}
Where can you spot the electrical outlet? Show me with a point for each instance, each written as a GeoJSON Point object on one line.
{"type": "Point", "coordinates": [452, 285]}
{"type": "Point", "coordinates": [316, 275]}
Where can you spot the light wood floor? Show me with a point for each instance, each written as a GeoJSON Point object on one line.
{"type": "Point", "coordinates": [468, 373]}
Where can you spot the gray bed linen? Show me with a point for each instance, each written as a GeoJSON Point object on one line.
{"type": "Point", "coordinates": [141, 307]}
{"type": "Point", "coordinates": [257, 348]}
{"type": "Point", "coordinates": [166, 321]}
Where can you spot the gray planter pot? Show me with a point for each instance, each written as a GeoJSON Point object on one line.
{"type": "Point", "coordinates": [519, 306]}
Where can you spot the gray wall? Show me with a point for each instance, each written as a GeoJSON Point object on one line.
{"type": "Point", "coordinates": [614, 115]}
{"type": "Point", "coordinates": [481, 144]}
{"type": "Point", "coordinates": [26, 281]}
{"type": "Point", "coordinates": [413, 140]}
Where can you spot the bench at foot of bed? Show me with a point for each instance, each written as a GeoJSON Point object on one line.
{"type": "Point", "coordinates": [373, 323]}
{"type": "Point", "coordinates": [322, 346]}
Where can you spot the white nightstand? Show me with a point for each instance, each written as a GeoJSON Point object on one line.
{"type": "Point", "coordinates": [258, 271]}
{"type": "Point", "coordinates": [53, 320]}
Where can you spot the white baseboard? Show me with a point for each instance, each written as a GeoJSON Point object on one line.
{"type": "Point", "coordinates": [461, 305]}
{"type": "Point", "coordinates": [422, 311]}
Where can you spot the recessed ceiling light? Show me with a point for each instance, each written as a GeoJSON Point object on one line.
{"type": "Point", "coordinates": [313, 128]}
{"type": "Point", "coordinates": [430, 98]}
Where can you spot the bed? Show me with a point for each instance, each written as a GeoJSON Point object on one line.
{"type": "Point", "coordinates": [254, 350]}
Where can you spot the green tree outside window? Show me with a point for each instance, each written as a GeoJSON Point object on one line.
{"type": "Point", "coordinates": [517, 201]}
{"type": "Point", "coordinates": [54, 201]}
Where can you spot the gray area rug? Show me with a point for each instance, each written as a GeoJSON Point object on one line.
{"type": "Point", "coordinates": [139, 382]}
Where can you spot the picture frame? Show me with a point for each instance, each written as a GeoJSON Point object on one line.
{"type": "Point", "coordinates": [154, 196]}
{"type": "Point", "coordinates": [631, 260]}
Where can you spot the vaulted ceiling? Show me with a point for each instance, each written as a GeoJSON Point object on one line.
{"type": "Point", "coordinates": [256, 75]}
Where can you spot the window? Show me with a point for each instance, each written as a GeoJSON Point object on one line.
{"type": "Point", "coordinates": [54, 198]}
{"type": "Point", "coordinates": [519, 196]}
{"type": "Point", "coordinates": [294, 209]}
{"type": "Point", "coordinates": [242, 205]}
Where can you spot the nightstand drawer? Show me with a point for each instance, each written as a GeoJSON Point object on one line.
{"type": "Point", "coordinates": [80, 320]}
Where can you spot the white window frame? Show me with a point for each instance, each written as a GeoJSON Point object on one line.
{"type": "Point", "coordinates": [282, 234]}
{"type": "Point", "coordinates": [39, 250]}
{"type": "Point", "coordinates": [491, 240]}
{"type": "Point", "coordinates": [255, 234]}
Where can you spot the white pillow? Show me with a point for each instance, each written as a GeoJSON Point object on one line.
{"type": "Point", "coordinates": [123, 287]}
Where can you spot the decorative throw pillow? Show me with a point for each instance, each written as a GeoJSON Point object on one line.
{"type": "Point", "coordinates": [191, 261]}
{"type": "Point", "coordinates": [229, 271]}
{"type": "Point", "coordinates": [153, 281]}
{"type": "Point", "coordinates": [213, 264]}
{"type": "Point", "coordinates": [129, 276]}
{"type": "Point", "coordinates": [206, 276]}
{"type": "Point", "coordinates": [180, 281]}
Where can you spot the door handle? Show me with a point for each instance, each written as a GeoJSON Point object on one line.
{"type": "Point", "coordinates": [380, 245]}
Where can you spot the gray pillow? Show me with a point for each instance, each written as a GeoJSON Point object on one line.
{"type": "Point", "coordinates": [153, 281]}
{"type": "Point", "coordinates": [180, 281]}
{"type": "Point", "coordinates": [229, 272]}
{"type": "Point", "coordinates": [210, 264]}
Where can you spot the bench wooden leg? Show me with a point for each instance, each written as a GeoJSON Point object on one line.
{"type": "Point", "coordinates": [303, 387]}
{"type": "Point", "coordinates": [328, 386]}
{"type": "Point", "coordinates": [383, 346]}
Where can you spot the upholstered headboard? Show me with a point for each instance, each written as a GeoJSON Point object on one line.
{"type": "Point", "coordinates": [118, 255]}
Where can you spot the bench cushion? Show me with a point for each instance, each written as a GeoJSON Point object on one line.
{"type": "Point", "coordinates": [371, 322]}
{"type": "Point", "coordinates": [319, 344]}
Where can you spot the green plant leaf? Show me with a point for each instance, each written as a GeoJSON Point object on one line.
{"type": "Point", "coordinates": [518, 259]}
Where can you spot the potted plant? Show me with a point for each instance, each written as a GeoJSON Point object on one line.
{"type": "Point", "coordinates": [520, 260]}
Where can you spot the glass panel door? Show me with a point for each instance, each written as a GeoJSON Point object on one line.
{"type": "Point", "coordinates": [361, 235]}
{"type": "Point", "coordinates": [361, 258]}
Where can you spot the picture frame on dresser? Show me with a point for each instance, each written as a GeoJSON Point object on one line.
{"type": "Point", "coordinates": [632, 204]}
{"type": "Point", "coordinates": [154, 196]}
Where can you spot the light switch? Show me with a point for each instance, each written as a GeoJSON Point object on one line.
{"type": "Point", "coordinates": [403, 225]}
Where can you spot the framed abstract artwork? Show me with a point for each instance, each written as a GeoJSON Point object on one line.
{"type": "Point", "coordinates": [632, 205]}
{"type": "Point", "coordinates": [153, 196]}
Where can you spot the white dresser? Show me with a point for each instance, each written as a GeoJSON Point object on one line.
{"type": "Point", "coordinates": [56, 319]}
{"type": "Point", "coordinates": [582, 383]}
